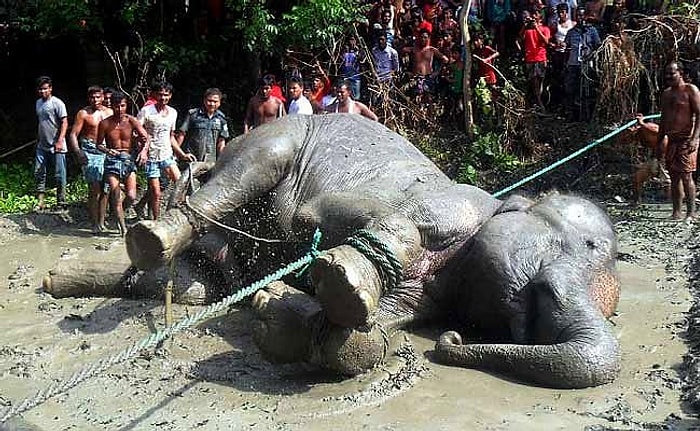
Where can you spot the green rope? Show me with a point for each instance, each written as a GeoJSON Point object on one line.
{"type": "Point", "coordinates": [98, 367]}
{"type": "Point", "coordinates": [570, 156]}
{"type": "Point", "coordinates": [380, 254]}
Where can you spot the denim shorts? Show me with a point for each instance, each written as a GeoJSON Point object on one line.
{"type": "Point", "coordinates": [120, 166]}
{"type": "Point", "coordinates": [154, 168]}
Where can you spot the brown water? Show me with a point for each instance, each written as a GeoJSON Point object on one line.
{"type": "Point", "coordinates": [212, 377]}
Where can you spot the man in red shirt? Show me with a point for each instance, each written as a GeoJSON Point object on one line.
{"type": "Point", "coordinates": [535, 37]}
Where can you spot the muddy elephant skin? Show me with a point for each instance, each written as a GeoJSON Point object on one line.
{"type": "Point", "coordinates": [539, 272]}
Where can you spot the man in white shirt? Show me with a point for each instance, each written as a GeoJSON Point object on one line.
{"type": "Point", "coordinates": [298, 103]}
{"type": "Point", "coordinates": [159, 121]}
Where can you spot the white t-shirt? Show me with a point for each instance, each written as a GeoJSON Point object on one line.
{"type": "Point", "coordinates": [300, 106]}
{"type": "Point", "coordinates": [159, 126]}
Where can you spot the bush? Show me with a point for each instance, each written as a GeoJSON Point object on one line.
{"type": "Point", "coordinates": [17, 189]}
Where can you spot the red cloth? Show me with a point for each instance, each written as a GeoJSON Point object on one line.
{"type": "Point", "coordinates": [276, 91]}
{"type": "Point", "coordinates": [423, 25]}
{"type": "Point", "coordinates": [317, 94]}
{"type": "Point", "coordinates": [535, 47]}
{"type": "Point", "coordinates": [485, 70]}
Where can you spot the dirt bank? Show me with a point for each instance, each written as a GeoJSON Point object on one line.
{"type": "Point", "coordinates": [212, 377]}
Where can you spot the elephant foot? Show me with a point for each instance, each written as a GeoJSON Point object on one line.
{"type": "Point", "coordinates": [348, 286]}
{"type": "Point", "coordinates": [350, 351]}
{"type": "Point", "coordinates": [151, 244]}
{"type": "Point", "coordinates": [285, 323]}
{"type": "Point", "coordinates": [290, 327]}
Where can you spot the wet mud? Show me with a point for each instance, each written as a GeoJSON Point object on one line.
{"type": "Point", "coordinates": [212, 377]}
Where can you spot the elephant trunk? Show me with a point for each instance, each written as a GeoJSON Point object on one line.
{"type": "Point", "coordinates": [588, 357]}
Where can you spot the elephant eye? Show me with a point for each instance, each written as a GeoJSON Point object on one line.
{"type": "Point", "coordinates": [590, 244]}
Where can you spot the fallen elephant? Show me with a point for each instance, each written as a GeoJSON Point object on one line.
{"type": "Point", "coordinates": [404, 245]}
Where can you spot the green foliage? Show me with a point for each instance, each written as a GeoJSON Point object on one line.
{"type": "Point", "coordinates": [485, 152]}
{"type": "Point", "coordinates": [17, 189]}
{"type": "Point", "coordinates": [50, 18]}
{"type": "Point", "coordinates": [320, 24]}
{"type": "Point", "coordinates": [256, 22]}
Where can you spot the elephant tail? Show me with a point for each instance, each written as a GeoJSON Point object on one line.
{"type": "Point", "coordinates": [590, 357]}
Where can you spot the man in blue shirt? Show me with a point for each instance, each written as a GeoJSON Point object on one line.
{"type": "Point", "coordinates": [350, 67]}
{"type": "Point", "coordinates": [580, 42]}
{"type": "Point", "coordinates": [205, 131]}
{"type": "Point", "coordinates": [51, 145]}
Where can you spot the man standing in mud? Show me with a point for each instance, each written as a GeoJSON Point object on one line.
{"type": "Point", "coordinates": [115, 138]}
{"type": "Point", "coordinates": [159, 119]}
{"type": "Point", "coordinates": [680, 115]}
{"type": "Point", "coordinates": [51, 141]}
{"type": "Point", "coordinates": [83, 143]}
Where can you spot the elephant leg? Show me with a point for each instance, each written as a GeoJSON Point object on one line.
{"type": "Point", "coordinates": [349, 283]}
{"type": "Point", "coordinates": [246, 172]}
{"type": "Point", "coordinates": [291, 326]}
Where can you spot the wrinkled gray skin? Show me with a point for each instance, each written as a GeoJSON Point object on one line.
{"type": "Point", "coordinates": [537, 274]}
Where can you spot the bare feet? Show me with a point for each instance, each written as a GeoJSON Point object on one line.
{"type": "Point", "coordinates": [676, 216]}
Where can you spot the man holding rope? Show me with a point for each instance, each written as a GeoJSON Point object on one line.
{"type": "Point", "coordinates": [680, 114]}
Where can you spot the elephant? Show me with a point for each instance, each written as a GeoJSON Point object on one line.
{"type": "Point", "coordinates": [405, 245]}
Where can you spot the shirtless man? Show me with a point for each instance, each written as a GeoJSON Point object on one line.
{"type": "Point", "coordinates": [82, 140]}
{"type": "Point", "coordinates": [345, 104]}
{"type": "Point", "coordinates": [422, 58]}
{"type": "Point", "coordinates": [115, 137]}
{"type": "Point", "coordinates": [647, 135]}
{"type": "Point", "coordinates": [263, 108]}
{"type": "Point", "coordinates": [680, 115]}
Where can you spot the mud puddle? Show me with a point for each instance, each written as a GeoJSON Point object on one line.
{"type": "Point", "coordinates": [212, 377]}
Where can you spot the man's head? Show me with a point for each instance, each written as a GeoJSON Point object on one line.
{"type": "Point", "coordinates": [562, 10]}
{"type": "Point", "coordinates": [386, 17]}
{"type": "Point", "coordinates": [95, 96]}
{"type": "Point", "coordinates": [343, 92]}
{"type": "Point", "coordinates": [212, 100]}
{"type": "Point", "coordinates": [381, 40]}
{"type": "Point", "coordinates": [479, 40]}
{"type": "Point", "coordinates": [424, 37]}
{"type": "Point", "coordinates": [581, 16]}
{"type": "Point", "coordinates": [162, 91]}
{"type": "Point", "coordinates": [295, 88]}
{"type": "Point", "coordinates": [44, 86]}
{"type": "Point", "coordinates": [108, 91]}
{"type": "Point", "coordinates": [673, 74]}
{"type": "Point", "coordinates": [265, 86]}
{"type": "Point", "coordinates": [119, 103]}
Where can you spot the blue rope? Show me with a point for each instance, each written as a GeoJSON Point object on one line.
{"type": "Point", "coordinates": [570, 156]}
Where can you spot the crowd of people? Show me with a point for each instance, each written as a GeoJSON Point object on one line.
{"type": "Point", "coordinates": [423, 36]}
{"type": "Point", "coordinates": [416, 45]}
{"type": "Point", "coordinates": [110, 145]}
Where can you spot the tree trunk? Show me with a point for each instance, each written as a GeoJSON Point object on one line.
{"type": "Point", "coordinates": [110, 274]}
{"type": "Point", "coordinates": [466, 80]}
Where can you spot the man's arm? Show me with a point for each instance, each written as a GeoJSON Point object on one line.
{"type": "Point", "coordinates": [694, 98]}
{"type": "Point", "coordinates": [141, 138]}
{"type": "Point", "coordinates": [60, 142]}
{"type": "Point", "coordinates": [542, 33]}
{"type": "Point", "coordinates": [73, 137]}
{"type": "Point", "coordinates": [366, 112]}
{"type": "Point", "coordinates": [101, 144]}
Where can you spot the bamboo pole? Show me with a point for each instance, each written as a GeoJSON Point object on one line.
{"type": "Point", "coordinates": [466, 79]}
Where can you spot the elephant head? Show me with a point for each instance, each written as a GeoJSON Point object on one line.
{"type": "Point", "coordinates": [547, 270]}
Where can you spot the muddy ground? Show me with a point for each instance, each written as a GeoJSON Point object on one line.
{"type": "Point", "coordinates": [212, 377]}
